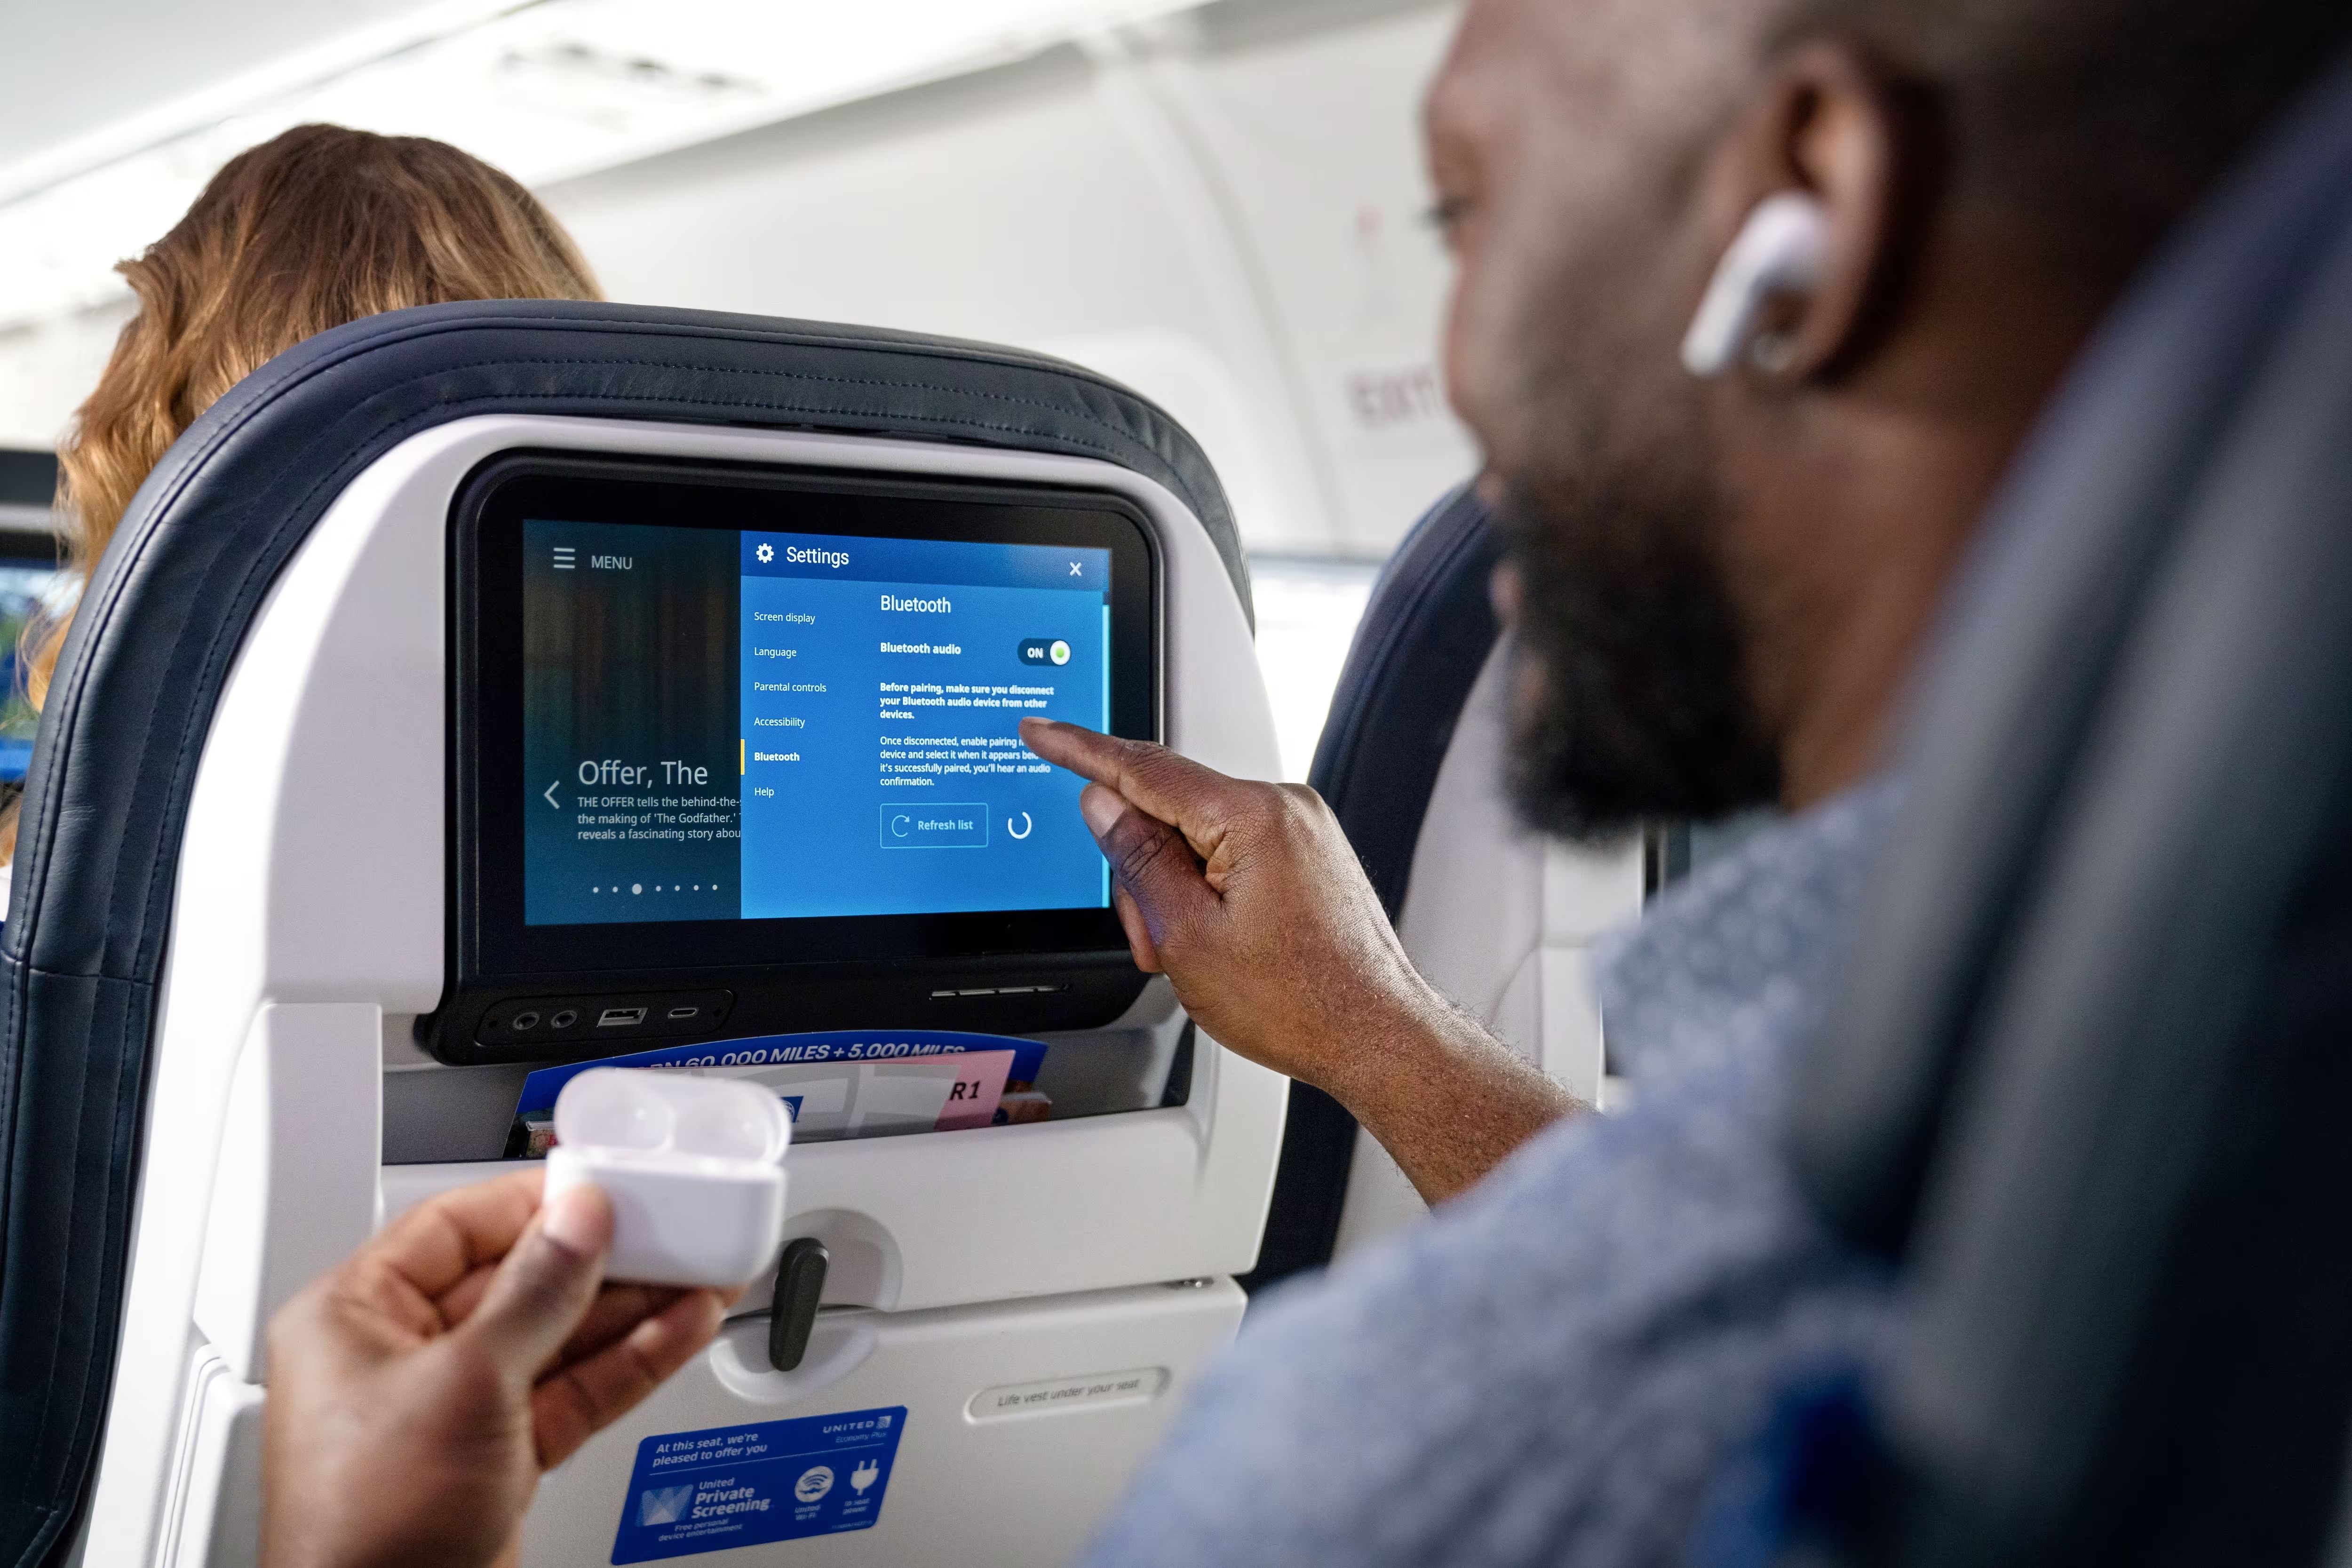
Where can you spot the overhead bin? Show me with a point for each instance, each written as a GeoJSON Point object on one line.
{"type": "Point", "coordinates": [304, 934]}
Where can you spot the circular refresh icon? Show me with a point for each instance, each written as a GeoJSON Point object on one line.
{"type": "Point", "coordinates": [1023, 831]}
{"type": "Point", "coordinates": [900, 825]}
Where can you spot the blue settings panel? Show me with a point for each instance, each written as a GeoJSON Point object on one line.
{"type": "Point", "coordinates": [883, 684]}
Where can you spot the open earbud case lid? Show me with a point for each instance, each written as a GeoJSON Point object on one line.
{"type": "Point", "coordinates": [676, 1119]}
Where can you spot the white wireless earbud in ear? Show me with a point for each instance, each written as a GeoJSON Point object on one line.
{"type": "Point", "coordinates": [1778, 250]}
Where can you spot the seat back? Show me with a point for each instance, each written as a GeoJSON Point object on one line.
{"type": "Point", "coordinates": [2085, 1084]}
{"type": "Point", "coordinates": [233, 905]}
{"type": "Point", "coordinates": [1412, 760]}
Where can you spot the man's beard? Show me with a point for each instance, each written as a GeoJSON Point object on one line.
{"type": "Point", "coordinates": [1631, 699]}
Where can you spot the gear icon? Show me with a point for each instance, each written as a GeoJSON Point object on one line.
{"type": "Point", "coordinates": [766, 552]}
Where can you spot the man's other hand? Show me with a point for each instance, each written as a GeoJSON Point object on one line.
{"type": "Point", "coordinates": [1250, 899]}
{"type": "Point", "coordinates": [419, 1391]}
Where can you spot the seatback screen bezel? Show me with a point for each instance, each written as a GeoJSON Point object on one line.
{"type": "Point", "coordinates": [489, 718]}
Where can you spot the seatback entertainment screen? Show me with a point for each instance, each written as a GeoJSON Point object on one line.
{"type": "Point", "coordinates": [719, 718]}
{"type": "Point", "coordinates": [850, 747]}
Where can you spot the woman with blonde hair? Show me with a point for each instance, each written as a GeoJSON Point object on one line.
{"type": "Point", "coordinates": [312, 229]}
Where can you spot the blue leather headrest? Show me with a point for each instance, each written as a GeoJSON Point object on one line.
{"type": "Point", "coordinates": [2074, 550]}
{"type": "Point", "coordinates": [2089, 1080]}
{"type": "Point", "coordinates": [160, 624]}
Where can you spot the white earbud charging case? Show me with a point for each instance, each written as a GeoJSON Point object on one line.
{"type": "Point", "coordinates": [694, 1167]}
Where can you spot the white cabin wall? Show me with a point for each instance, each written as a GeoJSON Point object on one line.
{"type": "Point", "coordinates": [1310, 117]}
{"type": "Point", "coordinates": [1011, 206]}
{"type": "Point", "coordinates": [46, 369]}
{"type": "Point", "coordinates": [1221, 211]}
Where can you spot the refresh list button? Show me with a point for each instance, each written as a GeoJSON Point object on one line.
{"type": "Point", "coordinates": [949, 824]}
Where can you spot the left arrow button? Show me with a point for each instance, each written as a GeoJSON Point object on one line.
{"type": "Point", "coordinates": [551, 796]}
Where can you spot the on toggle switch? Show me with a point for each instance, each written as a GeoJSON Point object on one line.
{"type": "Point", "coordinates": [1045, 650]}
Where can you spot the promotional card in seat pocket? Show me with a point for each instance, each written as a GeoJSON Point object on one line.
{"type": "Point", "coordinates": [746, 1486]}
{"type": "Point", "coordinates": [842, 1083]}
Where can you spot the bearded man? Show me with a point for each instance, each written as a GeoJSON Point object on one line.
{"type": "Point", "coordinates": [1722, 561]}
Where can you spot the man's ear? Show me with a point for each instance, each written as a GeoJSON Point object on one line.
{"type": "Point", "coordinates": [1829, 124]}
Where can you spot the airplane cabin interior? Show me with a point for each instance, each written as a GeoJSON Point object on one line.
{"type": "Point", "coordinates": [963, 364]}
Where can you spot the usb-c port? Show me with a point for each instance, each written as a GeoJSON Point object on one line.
{"type": "Point", "coordinates": [684, 1012]}
{"type": "Point", "coordinates": [620, 1017]}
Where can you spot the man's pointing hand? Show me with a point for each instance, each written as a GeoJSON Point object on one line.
{"type": "Point", "coordinates": [1249, 898]}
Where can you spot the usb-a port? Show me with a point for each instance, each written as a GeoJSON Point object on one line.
{"type": "Point", "coordinates": [620, 1017]}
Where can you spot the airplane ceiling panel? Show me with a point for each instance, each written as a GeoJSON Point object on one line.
{"type": "Point", "coordinates": [544, 90]}
{"type": "Point", "coordinates": [1221, 211]}
{"type": "Point", "coordinates": [68, 70]}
